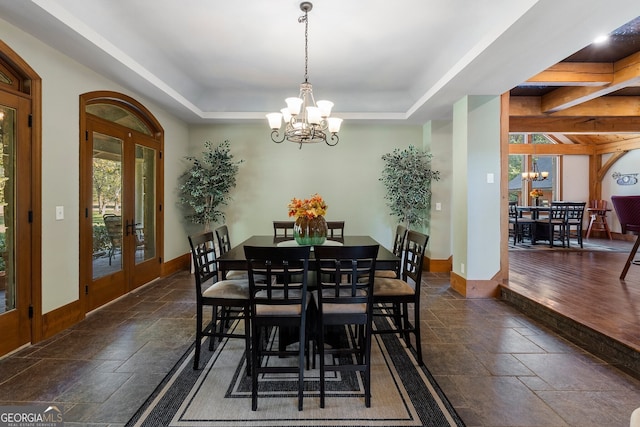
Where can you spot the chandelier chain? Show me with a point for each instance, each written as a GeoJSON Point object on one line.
{"type": "Point", "coordinates": [305, 19]}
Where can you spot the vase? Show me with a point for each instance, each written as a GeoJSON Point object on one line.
{"type": "Point", "coordinates": [310, 231]}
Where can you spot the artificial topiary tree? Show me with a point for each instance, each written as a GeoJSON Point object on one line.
{"type": "Point", "coordinates": [407, 176]}
{"type": "Point", "coordinates": [206, 185]}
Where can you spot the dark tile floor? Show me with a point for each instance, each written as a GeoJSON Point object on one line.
{"type": "Point", "coordinates": [496, 366]}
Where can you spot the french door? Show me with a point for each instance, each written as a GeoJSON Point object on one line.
{"type": "Point", "coordinates": [15, 211]}
{"type": "Point", "coordinates": [119, 234]}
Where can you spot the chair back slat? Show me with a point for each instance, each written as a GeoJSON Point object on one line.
{"type": "Point", "coordinates": [224, 241]}
{"type": "Point", "coordinates": [345, 274]}
{"type": "Point", "coordinates": [203, 255]}
{"type": "Point", "coordinates": [416, 245]}
{"type": "Point", "coordinates": [277, 275]}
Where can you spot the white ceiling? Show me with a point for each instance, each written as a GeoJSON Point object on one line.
{"type": "Point", "coordinates": [400, 60]}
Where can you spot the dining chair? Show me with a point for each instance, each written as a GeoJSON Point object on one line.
{"type": "Point", "coordinates": [344, 277]}
{"type": "Point", "coordinates": [521, 226]}
{"type": "Point", "coordinates": [573, 218]}
{"type": "Point", "coordinates": [554, 225]}
{"type": "Point", "coordinates": [224, 246]}
{"type": "Point", "coordinates": [398, 247]}
{"type": "Point", "coordinates": [282, 231]}
{"type": "Point", "coordinates": [335, 231]}
{"type": "Point", "coordinates": [232, 296]}
{"type": "Point", "coordinates": [279, 301]}
{"type": "Point", "coordinates": [397, 294]}
{"type": "Point", "coordinates": [628, 211]}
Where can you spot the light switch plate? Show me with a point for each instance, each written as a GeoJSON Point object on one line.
{"type": "Point", "coordinates": [490, 178]}
{"type": "Point", "coordinates": [59, 213]}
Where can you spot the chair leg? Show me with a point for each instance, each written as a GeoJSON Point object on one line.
{"type": "Point", "coordinates": [196, 357]}
{"type": "Point", "coordinates": [632, 255]}
{"type": "Point", "coordinates": [416, 330]}
{"type": "Point", "coordinates": [302, 344]}
{"type": "Point", "coordinates": [367, 362]}
{"type": "Point", "coordinates": [255, 362]}
{"type": "Point", "coordinates": [247, 339]}
{"type": "Point", "coordinates": [320, 336]}
{"type": "Point", "coordinates": [214, 325]}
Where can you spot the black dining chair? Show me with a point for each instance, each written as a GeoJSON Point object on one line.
{"type": "Point", "coordinates": [335, 231]}
{"type": "Point", "coordinates": [398, 248]}
{"type": "Point", "coordinates": [231, 296]}
{"type": "Point", "coordinates": [224, 246]}
{"type": "Point", "coordinates": [574, 218]}
{"type": "Point", "coordinates": [280, 300]}
{"type": "Point", "coordinates": [282, 231]}
{"type": "Point", "coordinates": [344, 277]}
{"type": "Point", "coordinates": [520, 226]}
{"type": "Point", "coordinates": [395, 295]}
{"type": "Point", "coordinates": [553, 227]}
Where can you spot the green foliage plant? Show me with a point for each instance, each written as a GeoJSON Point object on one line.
{"type": "Point", "coordinates": [407, 177]}
{"type": "Point", "coordinates": [206, 184]}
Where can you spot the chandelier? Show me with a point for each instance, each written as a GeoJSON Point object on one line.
{"type": "Point", "coordinates": [534, 174]}
{"type": "Point", "coordinates": [305, 120]}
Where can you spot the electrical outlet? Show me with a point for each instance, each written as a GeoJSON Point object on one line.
{"type": "Point", "coordinates": [462, 268]}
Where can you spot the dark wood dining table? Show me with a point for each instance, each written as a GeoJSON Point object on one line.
{"type": "Point", "coordinates": [234, 259]}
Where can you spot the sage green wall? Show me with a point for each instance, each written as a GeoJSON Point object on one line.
{"type": "Point", "coordinates": [347, 176]}
{"type": "Point", "coordinates": [438, 140]}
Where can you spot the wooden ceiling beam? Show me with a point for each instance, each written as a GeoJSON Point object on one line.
{"type": "Point", "coordinates": [552, 124]}
{"type": "Point", "coordinates": [574, 74]}
{"type": "Point", "coordinates": [550, 149]}
{"type": "Point", "coordinates": [620, 106]}
{"type": "Point", "coordinates": [626, 72]}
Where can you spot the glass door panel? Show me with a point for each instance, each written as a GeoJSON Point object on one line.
{"type": "Point", "coordinates": [145, 203]}
{"type": "Point", "coordinates": [7, 209]}
{"type": "Point", "coordinates": [107, 205]}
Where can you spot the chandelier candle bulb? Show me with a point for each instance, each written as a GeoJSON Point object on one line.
{"type": "Point", "coordinates": [275, 120]}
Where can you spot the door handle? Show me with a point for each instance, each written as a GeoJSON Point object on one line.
{"type": "Point", "coordinates": [127, 225]}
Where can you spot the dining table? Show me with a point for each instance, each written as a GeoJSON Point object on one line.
{"type": "Point", "coordinates": [235, 259]}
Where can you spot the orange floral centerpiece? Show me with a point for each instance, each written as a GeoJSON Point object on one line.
{"type": "Point", "coordinates": [310, 227]}
{"type": "Point", "coordinates": [535, 193]}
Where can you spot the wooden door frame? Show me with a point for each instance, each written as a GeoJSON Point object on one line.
{"type": "Point", "coordinates": [31, 86]}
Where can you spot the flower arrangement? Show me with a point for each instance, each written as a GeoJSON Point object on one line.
{"type": "Point", "coordinates": [309, 208]}
{"type": "Point", "coordinates": [535, 193]}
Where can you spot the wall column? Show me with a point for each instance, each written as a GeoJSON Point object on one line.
{"type": "Point", "coordinates": [476, 196]}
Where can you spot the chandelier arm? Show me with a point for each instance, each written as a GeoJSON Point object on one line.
{"type": "Point", "coordinates": [274, 136]}
{"type": "Point", "coordinates": [334, 137]}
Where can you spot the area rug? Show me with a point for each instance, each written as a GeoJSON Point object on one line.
{"type": "Point", "coordinates": [403, 393]}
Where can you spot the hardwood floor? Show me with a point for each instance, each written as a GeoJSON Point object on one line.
{"type": "Point", "coordinates": [583, 286]}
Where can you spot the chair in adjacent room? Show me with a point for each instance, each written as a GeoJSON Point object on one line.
{"type": "Point", "coordinates": [279, 301]}
{"type": "Point", "coordinates": [231, 296]}
{"type": "Point", "coordinates": [344, 276]}
{"type": "Point", "coordinates": [628, 211]}
{"type": "Point", "coordinates": [224, 246]}
{"type": "Point", "coordinates": [553, 227]}
{"type": "Point", "coordinates": [282, 231]}
{"type": "Point", "coordinates": [113, 225]}
{"type": "Point", "coordinates": [573, 218]}
{"type": "Point", "coordinates": [598, 210]}
{"type": "Point", "coordinates": [335, 231]}
{"type": "Point", "coordinates": [398, 247]}
{"type": "Point", "coordinates": [397, 294]}
{"type": "Point", "coordinates": [520, 226]}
